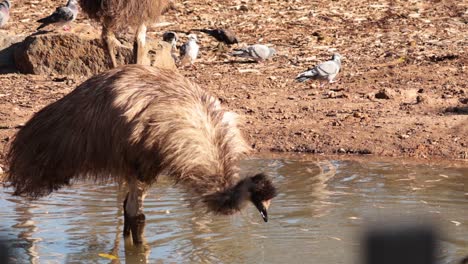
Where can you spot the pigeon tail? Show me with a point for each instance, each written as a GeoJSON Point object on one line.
{"type": "Point", "coordinates": [307, 75]}
{"type": "Point", "coordinates": [302, 78]}
{"type": "Point", "coordinates": [43, 25]}
{"type": "Point", "coordinates": [239, 52]}
{"type": "Point", "coordinates": [5, 5]}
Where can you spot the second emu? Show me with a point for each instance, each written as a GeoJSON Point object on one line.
{"type": "Point", "coordinates": [132, 124]}
{"type": "Point", "coordinates": [117, 15]}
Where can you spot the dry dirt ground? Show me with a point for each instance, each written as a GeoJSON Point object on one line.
{"type": "Point", "coordinates": [411, 54]}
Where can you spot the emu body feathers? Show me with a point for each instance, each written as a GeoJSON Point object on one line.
{"type": "Point", "coordinates": [120, 14]}
{"type": "Point", "coordinates": [131, 122]}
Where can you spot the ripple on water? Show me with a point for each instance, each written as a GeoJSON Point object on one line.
{"type": "Point", "coordinates": [320, 207]}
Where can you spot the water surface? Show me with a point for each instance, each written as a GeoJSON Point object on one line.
{"type": "Point", "coordinates": [316, 218]}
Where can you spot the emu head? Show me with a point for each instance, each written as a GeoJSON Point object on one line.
{"type": "Point", "coordinates": [261, 191]}
{"type": "Point", "coordinates": [257, 189]}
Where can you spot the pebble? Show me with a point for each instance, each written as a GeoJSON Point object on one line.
{"type": "Point", "coordinates": [243, 8]}
{"type": "Point", "coordinates": [421, 99]}
{"type": "Point", "coordinates": [385, 94]}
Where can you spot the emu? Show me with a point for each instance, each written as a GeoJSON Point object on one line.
{"type": "Point", "coordinates": [116, 15]}
{"type": "Point", "coordinates": [133, 124]}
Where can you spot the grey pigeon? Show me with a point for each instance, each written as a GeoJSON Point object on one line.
{"type": "Point", "coordinates": [4, 12]}
{"type": "Point", "coordinates": [222, 35]}
{"type": "Point", "coordinates": [61, 16]}
{"type": "Point", "coordinates": [257, 52]}
{"type": "Point", "coordinates": [189, 51]}
{"type": "Point", "coordinates": [324, 71]}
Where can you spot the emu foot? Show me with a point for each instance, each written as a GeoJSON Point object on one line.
{"type": "Point", "coordinates": [136, 226]}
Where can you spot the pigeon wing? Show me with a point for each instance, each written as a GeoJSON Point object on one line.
{"type": "Point", "coordinates": [327, 68]}
{"type": "Point", "coordinates": [60, 14]}
{"type": "Point", "coordinates": [260, 52]}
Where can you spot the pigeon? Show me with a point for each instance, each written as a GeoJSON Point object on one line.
{"type": "Point", "coordinates": [189, 51]}
{"type": "Point", "coordinates": [324, 71]}
{"type": "Point", "coordinates": [61, 16]}
{"type": "Point", "coordinates": [257, 52]}
{"type": "Point", "coordinates": [222, 35]}
{"type": "Point", "coordinates": [4, 12]}
{"type": "Point", "coordinates": [171, 38]}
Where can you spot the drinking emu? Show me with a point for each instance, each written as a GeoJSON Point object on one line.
{"type": "Point", "coordinates": [132, 124]}
{"type": "Point", "coordinates": [116, 15]}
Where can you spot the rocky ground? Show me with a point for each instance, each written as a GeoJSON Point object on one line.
{"type": "Point", "coordinates": [402, 91]}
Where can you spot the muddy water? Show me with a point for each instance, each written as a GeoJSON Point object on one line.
{"type": "Point", "coordinates": [321, 208]}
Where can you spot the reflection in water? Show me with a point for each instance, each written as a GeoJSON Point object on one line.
{"type": "Point", "coordinates": [26, 227]}
{"type": "Point", "coordinates": [320, 207]}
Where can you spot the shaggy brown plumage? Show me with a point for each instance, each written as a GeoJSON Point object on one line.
{"type": "Point", "coordinates": [120, 14]}
{"type": "Point", "coordinates": [136, 123]}
{"type": "Point", "coordinates": [115, 15]}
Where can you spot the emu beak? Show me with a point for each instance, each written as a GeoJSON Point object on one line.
{"type": "Point", "coordinates": [262, 208]}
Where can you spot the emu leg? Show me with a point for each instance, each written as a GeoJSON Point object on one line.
{"type": "Point", "coordinates": [111, 43]}
{"type": "Point", "coordinates": [139, 49]}
{"type": "Point", "coordinates": [134, 219]}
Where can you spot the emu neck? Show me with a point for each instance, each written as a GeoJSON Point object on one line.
{"type": "Point", "coordinates": [230, 200]}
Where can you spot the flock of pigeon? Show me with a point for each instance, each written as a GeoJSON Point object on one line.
{"type": "Point", "coordinates": [62, 16]}
{"type": "Point", "coordinates": [189, 50]}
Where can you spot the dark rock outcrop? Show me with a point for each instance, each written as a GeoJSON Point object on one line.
{"type": "Point", "coordinates": [8, 44]}
{"type": "Point", "coordinates": [79, 54]}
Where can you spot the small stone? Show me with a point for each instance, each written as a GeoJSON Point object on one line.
{"type": "Point", "coordinates": [243, 8]}
{"type": "Point", "coordinates": [332, 94]}
{"type": "Point", "coordinates": [404, 136]}
{"type": "Point", "coordinates": [341, 150]}
{"type": "Point", "coordinates": [385, 94]}
{"type": "Point", "coordinates": [358, 115]}
{"type": "Point", "coordinates": [420, 99]}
